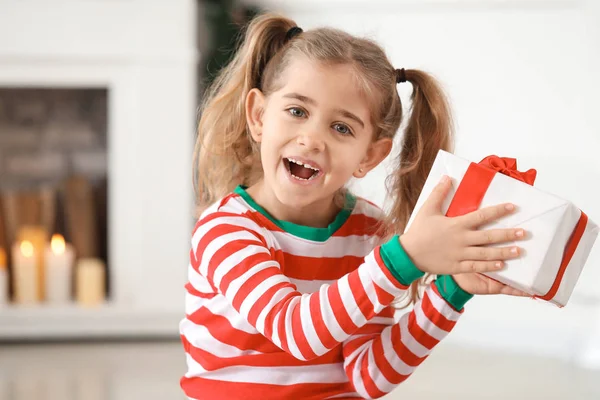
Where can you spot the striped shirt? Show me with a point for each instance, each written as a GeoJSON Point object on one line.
{"type": "Point", "coordinates": [280, 311]}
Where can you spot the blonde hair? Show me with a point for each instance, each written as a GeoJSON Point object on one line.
{"type": "Point", "coordinates": [226, 156]}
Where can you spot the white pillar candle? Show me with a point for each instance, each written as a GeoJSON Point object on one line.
{"type": "Point", "coordinates": [3, 278]}
{"type": "Point", "coordinates": [91, 281]}
{"type": "Point", "coordinates": [59, 258]}
{"type": "Point", "coordinates": [25, 273]}
{"type": "Point", "coordinates": [38, 236]}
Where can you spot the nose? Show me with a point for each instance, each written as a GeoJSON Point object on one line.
{"type": "Point", "coordinates": [312, 140]}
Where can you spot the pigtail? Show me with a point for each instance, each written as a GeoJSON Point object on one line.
{"type": "Point", "coordinates": [429, 129]}
{"type": "Point", "coordinates": [225, 154]}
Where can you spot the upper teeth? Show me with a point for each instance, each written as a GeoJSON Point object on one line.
{"type": "Point", "coordinates": [302, 164]}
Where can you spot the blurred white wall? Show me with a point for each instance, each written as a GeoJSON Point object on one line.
{"type": "Point", "coordinates": [522, 79]}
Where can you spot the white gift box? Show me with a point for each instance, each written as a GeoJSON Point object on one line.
{"type": "Point", "coordinates": [552, 224]}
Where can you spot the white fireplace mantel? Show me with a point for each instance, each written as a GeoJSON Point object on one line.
{"type": "Point", "coordinates": [145, 53]}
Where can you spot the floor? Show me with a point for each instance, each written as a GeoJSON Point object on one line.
{"type": "Point", "coordinates": [150, 371]}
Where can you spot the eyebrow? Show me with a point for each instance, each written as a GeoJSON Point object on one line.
{"type": "Point", "coordinates": [308, 100]}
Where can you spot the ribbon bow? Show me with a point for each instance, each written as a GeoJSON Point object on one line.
{"type": "Point", "coordinates": [508, 166]}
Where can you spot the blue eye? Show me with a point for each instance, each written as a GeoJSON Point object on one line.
{"type": "Point", "coordinates": [343, 129]}
{"type": "Point", "coordinates": [296, 112]}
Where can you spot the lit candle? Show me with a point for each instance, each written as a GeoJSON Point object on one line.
{"type": "Point", "coordinates": [25, 273]}
{"type": "Point", "coordinates": [3, 278]}
{"type": "Point", "coordinates": [59, 270]}
{"type": "Point", "coordinates": [38, 237]}
{"type": "Point", "coordinates": [91, 279]}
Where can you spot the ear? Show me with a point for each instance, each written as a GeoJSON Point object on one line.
{"type": "Point", "coordinates": [255, 105]}
{"type": "Point", "coordinates": [377, 152]}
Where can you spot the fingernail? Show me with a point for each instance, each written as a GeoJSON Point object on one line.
{"type": "Point", "coordinates": [519, 233]}
{"type": "Point", "coordinates": [510, 207]}
{"type": "Point", "coordinates": [498, 265]}
{"type": "Point", "coordinates": [445, 179]}
{"type": "Point", "coordinates": [514, 250]}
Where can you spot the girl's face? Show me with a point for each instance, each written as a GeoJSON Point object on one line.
{"type": "Point", "coordinates": [315, 133]}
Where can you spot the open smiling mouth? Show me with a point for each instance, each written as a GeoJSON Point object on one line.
{"type": "Point", "coordinates": [301, 171]}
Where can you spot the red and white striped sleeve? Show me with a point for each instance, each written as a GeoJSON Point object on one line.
{"type": "Point", "coordinates": [379, 359]}
{"type": "Point", "coordinates": [230, 252]}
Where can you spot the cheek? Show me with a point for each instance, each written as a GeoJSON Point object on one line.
{"type": "Point", "coordinates": [273, 128]}
{"type": "Point", "coordinates": [277, 135]}
{"type": "Point", "coordinates": [270, 149]}
{"type": "Point", "coordinates": [348, 158]}
{"type": "Point", "coordinates": [267, 152]}
{"type": "Point", "coordinates": [345, 167]}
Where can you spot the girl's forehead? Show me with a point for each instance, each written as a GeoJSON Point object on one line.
{"type": "Point", "coordinates": [302, 71]}
{"type": "Point", "coordinates": [326, 84]}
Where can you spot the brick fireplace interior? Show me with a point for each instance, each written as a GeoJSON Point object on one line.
{"type": "Point", "coordinates": [53, 166]}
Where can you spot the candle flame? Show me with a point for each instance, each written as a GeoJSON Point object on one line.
{"type": "Point", "coordinates": [27, 248]}
{"type": "Point", "coordinates": [57, 244]}
{"type": "Point", "coordinates": [2, 258]}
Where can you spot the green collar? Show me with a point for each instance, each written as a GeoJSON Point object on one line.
{"type": "Point", "coordinates": [302, 231]}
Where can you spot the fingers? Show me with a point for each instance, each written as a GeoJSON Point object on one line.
{"type": "Point", "coordinates": [501, 288]}
{"type": "Point", "coordinates": [509, 291]}
{"type": "Point", "coordinates": [495, 287]}
{"type": "Point", "coordinates": [491, 253]}
{"type": "Point", "coordinates": [486, 259]}
{"type": "Point", "coordinates": [470, 266]}
{"type": "Point", "coordinates": [494, 236]}
{"type": "Point", "coordinates": [437, 196]}
{"type": "Point", "coordinates": [486, 215]}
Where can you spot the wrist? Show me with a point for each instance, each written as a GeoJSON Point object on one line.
{"type": "Point", "coordinates": [410, 248]}
{"type": "Point", "coordinates": [398, 262]}
{"type": "Point", "coordinates": [457, 279]}
{"type": "Point", "coordinates": [451, 291]}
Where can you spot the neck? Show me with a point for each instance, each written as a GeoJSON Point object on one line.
{"type": "Point", "coordinates": [318, 214]}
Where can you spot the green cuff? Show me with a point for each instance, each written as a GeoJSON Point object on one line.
{"type": "Point", "coordinates": [399, 263]}
{"type": "Point", "coordinates": [451, 292]}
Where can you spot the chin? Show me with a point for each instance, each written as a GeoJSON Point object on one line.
{"type": "Point", "coordinates": [294, 198]}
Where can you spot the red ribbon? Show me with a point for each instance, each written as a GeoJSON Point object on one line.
{"type": "Point", "coordinates": [474, 185]}
{"type": "Point", "coordinates": [508, 166]}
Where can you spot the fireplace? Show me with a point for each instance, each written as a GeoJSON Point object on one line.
{"type": "Point", "coordinates": [54, 173]}
{"type": "Point", "coordinates": [107, 116]}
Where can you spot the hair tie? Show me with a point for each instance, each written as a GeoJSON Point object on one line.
{"type": "Point", "coordinates": [292, 33]}
{"type": "Point", "coordinates": [400, 75]}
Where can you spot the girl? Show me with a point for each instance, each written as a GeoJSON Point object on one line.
{"type": "Point", "coordinates": [291, 277]}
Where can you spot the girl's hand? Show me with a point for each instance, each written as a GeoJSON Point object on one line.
{"type": "Point", "coordinates": [481, 284]}
{"type": "Point", "coordinates": [442, 245]}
